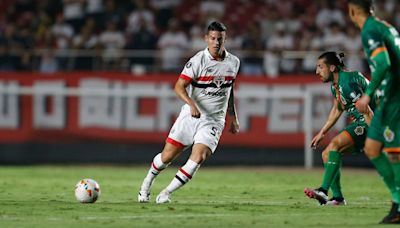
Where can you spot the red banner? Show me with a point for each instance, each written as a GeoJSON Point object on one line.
{"type": "Point", "coordinates": [142, 114]}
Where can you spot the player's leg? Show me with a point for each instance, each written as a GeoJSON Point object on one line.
{"type": "Point", "coordinates": [392, 148]}
{"type": "Point", "coordinates": [205, 142]}
{"type": "Point", "coordinates": [335, 185]}
{"type": "Point", "coordinates": [199, 153]}
{"type": "Point", "coordinates": [333, 152]}
{"type": "Point", "coordinates": [160, 162]}
{"type": "Point", "coordinates": [394, 214]}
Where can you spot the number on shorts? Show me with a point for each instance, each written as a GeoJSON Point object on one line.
{"type": "Point", "coordinates": [214, 131]}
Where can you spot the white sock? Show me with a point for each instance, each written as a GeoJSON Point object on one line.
{"type": "Point", "coordinates": [155, 168]}
{"type": "Point", "coordinates": [184, 175]}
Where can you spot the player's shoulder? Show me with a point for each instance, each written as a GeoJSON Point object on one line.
{"type": "Point", "coordinates": [233, 59]}
{"type": "Point", "coordinates": [352, 74]}
{"type": "Point", "coordinates": [355, 76]}
{"type": "Point", "coordinates": [199, 57]}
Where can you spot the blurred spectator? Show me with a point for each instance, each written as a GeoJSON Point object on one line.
{"type": "Point", "coordinates": [95, 10]}
{"type": "Point", "coordinates": [142, 14]}
{"type": "Point", "coordinates": [235, 39]}
{"type": "Point", "coordinates": [352, 44]}
{"type": "Point", "coordinates": [383, 9]}
{"type": "Point", "coordinates": [62, 33]}
{"type": "Point", "coordinates": [212, 10]}
{"type": "Point", "coordinates": [334, 38]}
{"type": "Point", "coordinates": [269, 21]}
{"type": "Point", "coordinates": [252, 45]}
{"type": "Point", "coordinates": [196, 42]}
{"type": "Point", "coordinates": [280, 41]}
{"type": "Point", "coordinates": [173, 45]}
{"type": "Point", "coordinates": [328, 14]}
{"type": "Point", "coordinates": [112, 13]}
{"type": "Point", "coordinates": [142, 39]}
{"type": "Point", "coordinates": [85, 40]}
{"type": "Point", "coordinates": [74, 13]}
{"type": "Point", "coordinates": [27, 27]}
{"type": "Point", "coordinates": [396, 17]}
{"type": "Point", "coordinates": [48, 59]}
{"type": "Point", "coordinates": [112, 42]}
{"type": "Point", "coordinates": [8, 60]}
{"type": "Point", "coordinates": [164, 10]}
{"type": "Point", "coordinates": [311, 44]}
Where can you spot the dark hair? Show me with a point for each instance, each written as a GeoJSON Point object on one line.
{"type": "Point", "coordinates": [365, 5]}
{"type": "Point", "coordinates": [333, 58]}
{"type": "Point", "coordinates": [216, 26]}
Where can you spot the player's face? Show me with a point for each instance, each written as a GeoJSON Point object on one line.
{"type": "Point", "coordinates": [323, 71]}
{"type": "Point", "coordinates": [215, 41]}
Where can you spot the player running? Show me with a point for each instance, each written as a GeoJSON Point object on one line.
{"type": "Point", "coordinates": [381, 44]}
{"type": "Point", "coordinates": [210, 74]}
{"type": "Point", "coordinates": [347, 87]}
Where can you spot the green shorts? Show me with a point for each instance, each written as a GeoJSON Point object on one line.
{"type": "Point", "coordinates": [386, 130]}
{"type": "Point", "coordinates": [358, 132]}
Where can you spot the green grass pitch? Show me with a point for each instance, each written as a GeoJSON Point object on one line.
{"type": "Point", "coordinates": [43, 196]}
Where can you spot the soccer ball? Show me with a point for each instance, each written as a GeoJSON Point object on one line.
{"type": "Point", "coordinates": [87, 191]}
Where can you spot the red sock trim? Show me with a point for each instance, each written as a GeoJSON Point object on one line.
{"type": "Point", "coordinates": [185, 173]}
{"type": "Point", "coordinates": [155, 167]}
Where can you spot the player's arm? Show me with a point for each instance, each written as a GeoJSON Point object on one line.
{"type": "Point", "coordinates": [180, 90]}
{"type": "Point", "coordinates": [234, 125]}
{"type": "Point", "coordinates": [334, 115]}
{"type": "Point", "coordinates": [368, 115]}
{"type": "Point", "coordinates": [379, 63]}
{"type": "Point", "coordinates": [380, 66]}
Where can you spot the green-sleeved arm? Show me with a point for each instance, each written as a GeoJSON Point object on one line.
{"type": "Point", "coordinates": [379, 67]}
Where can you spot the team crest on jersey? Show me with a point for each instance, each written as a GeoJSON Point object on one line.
{"type": "Point", "coordinates": [388, 134]}
{"type": "Point", "coordinates": [188, 64]}
{"type": "Point", "coordinates": [219, 80]}
{"type": "Point", "coordinates": [359, 130]}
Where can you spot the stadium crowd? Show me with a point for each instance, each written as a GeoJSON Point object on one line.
{"type": "Point", "coordinates": [271, 37]}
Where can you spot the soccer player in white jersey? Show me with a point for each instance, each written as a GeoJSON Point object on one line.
{"type": "Point", "coordinates": [210, 75]}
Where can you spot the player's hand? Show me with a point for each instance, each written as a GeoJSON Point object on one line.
{"type": "Point", "coordinates": [362, 104]}
{"type": "Point", "coordinates": [316, 140]}
{"type": "Point", "coordinates": [194, 111]}
{"type": "Point", "coordinates": [234, 127]}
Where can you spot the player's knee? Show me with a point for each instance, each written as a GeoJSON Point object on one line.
{"type": "Point", "coordinates": [200, 153]}
{"type": "Point", "coordinates": [169, 153]}
{"type": "Point", "coordinates": [371, 152]}
{"type": "Point", "coordinates": [333, 145]}
{"type": "Point", "coordinates": [325, 155]}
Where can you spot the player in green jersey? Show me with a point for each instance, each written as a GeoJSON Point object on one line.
{"type": "Point", "coordinates": [347, 87]}
{"type": "Point", "coordinates": [381, 43]}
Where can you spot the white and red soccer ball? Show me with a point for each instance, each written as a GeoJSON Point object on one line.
{"type": "Point", "coordinates": [87, 191]}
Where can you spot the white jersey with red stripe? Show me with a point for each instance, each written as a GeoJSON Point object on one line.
{"type": "Point", "coordinates": [211, 82]}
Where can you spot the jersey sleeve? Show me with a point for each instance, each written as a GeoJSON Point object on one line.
{"type": "Point", "coordinates": [362, 81]}
{"type": "Point", "coordinates": [378, 59]}
{"type": "Point", "coordinates": [191, 69]}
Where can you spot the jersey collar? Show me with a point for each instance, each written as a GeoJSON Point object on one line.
{"type": "Point", "coordinates": [212, 58]}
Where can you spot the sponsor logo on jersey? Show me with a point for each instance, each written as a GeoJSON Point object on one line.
{"type": "Point", "coordinates": [372, 44]}
{"type": "Point", "coordinates": [214, 94]}
{"type": "Point", "coordinates": [355, 96]}
{"type": "Point", "coordinates": [188, 64]}
{"type": "Point", "coordinates": [388, 134]}
{"type": "Point", "coordinates": [219, 80]}
{"type": "Point", "coordinates": [359, 130]}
